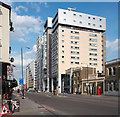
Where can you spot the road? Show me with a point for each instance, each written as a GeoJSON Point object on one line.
{"type": "Point", "coordinates": [77, 104]}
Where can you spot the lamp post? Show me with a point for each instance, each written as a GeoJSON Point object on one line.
{"type": "Point", "coordinates": [22, 71]}
{"type": "Point", "coordinates": [87, 76]}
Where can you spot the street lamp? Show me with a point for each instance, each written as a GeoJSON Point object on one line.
{"type": "Point", "coordinates": [87, 76]}
{"type": "Point", "coordinates": [22, 70]}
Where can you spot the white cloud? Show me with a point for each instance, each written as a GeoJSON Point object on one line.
{"type": "Point", "coordinates": [35, 48]}
{"type": "Point", "coordinates": [8, 2]}
{"type": "Point", "coordinates": [22, 40]}
{"type": "Point", "coordinates": [17, 60]}
{"type": "Point", "coordinates": [25, 25]}
{"type": "Point", "coordinates": [33, 51]}
{"type": "Point", "coordinates": [113, 45]}
{"type": "Point", "coordinates": [21, 7]}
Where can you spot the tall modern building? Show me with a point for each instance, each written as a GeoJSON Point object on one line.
{"type": "Point", "coordinates": [31, 75]}
{"type": "Point", "coordinates": [42, 63]}
{"type": "Point", "coordinates": [47, 34]}
{"type": "Point", "coordinates": [73, 40]}
{"type": "Point", "coordinates": [78, 39]}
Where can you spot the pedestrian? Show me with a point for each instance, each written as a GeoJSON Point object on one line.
{"type": "Point", "coordinates": [18, 91]}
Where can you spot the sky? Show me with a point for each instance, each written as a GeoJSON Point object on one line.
{"type": "Point", "coordinates": [29, 17]}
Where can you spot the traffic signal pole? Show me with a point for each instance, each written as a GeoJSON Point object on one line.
{"type": "Point", "coordinates": [0, 86]}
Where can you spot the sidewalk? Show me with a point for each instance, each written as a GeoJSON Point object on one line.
{"type": "Point", "coordinates": [29, 107]}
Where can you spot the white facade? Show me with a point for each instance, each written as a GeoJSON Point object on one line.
{"type": "Point", "coordinates": [74, 18]}
{"type": "Point", "coordinates": [4, 32]}
{"type": "Point", "coordinates": [41, 63]}
{"type": "Point", "coordinates": [31, 74]}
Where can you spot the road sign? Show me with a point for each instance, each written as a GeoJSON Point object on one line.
{"type": "Point", "coordinates": [9, 77]}
{"type": "Point", "coordinates": [9, 70]}
{"type": "Point", "coordinates": [5, 110]}
{"type": "Point", "coordinates": [9, 73]}
{"type": "Point", "coordinates": [21, 81]}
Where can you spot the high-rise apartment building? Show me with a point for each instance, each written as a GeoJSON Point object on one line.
{"type": "Point", "coordinates": [31, 75]}
{"type": "Point", "coordinates": [78, 39]}
{"type": "Point", "coordinates": [47, 34]}
{"type": "Point", "coordinates": [73, 40]}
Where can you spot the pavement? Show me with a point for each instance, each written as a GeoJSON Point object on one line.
{"type": "Point", "coordinates": [44, 103]}
{"type": "Point", "coordinates": [72, 104]}
{"type": "Point", "coordinates": [29, 107]}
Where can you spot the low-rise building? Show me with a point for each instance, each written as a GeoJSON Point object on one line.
{"type": "Point", "coordinates": [87, 81]}
{"type": "Point", "coordinates": [112, 77]}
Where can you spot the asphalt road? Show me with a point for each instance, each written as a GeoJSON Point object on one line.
{"type": "Point", "coordinates": [77, 104]}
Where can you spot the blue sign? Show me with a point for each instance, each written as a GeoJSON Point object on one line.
{"type": "Point", "coordinates": [21, 81]}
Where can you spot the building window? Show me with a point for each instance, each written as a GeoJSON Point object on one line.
{"type": "Point", "coordinates": [64, 19]}
{"type": "Point", "coordinates": [74, 14]}
{"type": "Point", "coordinates": [95, 40]}
{"type": "Point", "coordinates": [74, 42]}
{"type": "Point", "coordinates": [74, 20]}
{"type": "Point", "coordinates": [100, 19]}
{"type": "Point", "coordinates": [94, 18]}
{"type": "Point", "coordinates": [100, 25]}
{"type": "Point", "coordinates": [74, 32]}
{"type": "Point", "coordinates": [110, 71]}
{"type": "Point", "coordinates": [80, 15]}
{"type": "Point", "coordinates": [74, 37]}
{"type": "Point", "coordinates": [62, 46]}
{"type": "Point", "coordinates": [92, 63]}
{"type": "Point", "coordinates": [76, 62]}
{"type": "Point", "coordinates": [88, 23]}
{"type": "Point", "coordinates": [80, 22]}
{"type": "Point", "coordinates": [62, 40]}
{"type": "Point", "coordinates": [93, 59]}
{"type": "Point", "coordinates": [92, 49]}
{"type": "Point", "coordinates": [93, 44]}
{"type": "Point", "coordinates": [93, 54]}
{"type": "Point", "coordinates": [93, 35]}
{"type": "Point", "coordinates": [93, 24]}
{"type": "Point", "coordinates": [62, 51]}
{"type": "Point", "coordinates": [64, 12]}
{"type": "Point", "coordinates": [88, 17]}
{"type": "Point", "coordinates": [62, 56]}
{"type": "Point", "coordinates": [62, 35]}
{"type": "Point", "coordinates": [62, 61]}
{"type": "Point", "coordinates": [114, 71]}
{"type": "Point", "coordinates": [62, 30]}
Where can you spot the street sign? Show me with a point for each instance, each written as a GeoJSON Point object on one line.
{"type": "Point", "coordinates": [21, 81]}
{"type": "Point", "coordinates": [9, 77]}
{"type": "Point", "coordinates": [9, 73]}
{"type": "Point", "coordinates": [9, 70]}
{"type": "Point", "coordinates": [5, 111]}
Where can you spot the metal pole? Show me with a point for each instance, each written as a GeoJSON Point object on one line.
{"type": "Point", "coordinates": [22, 71]}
